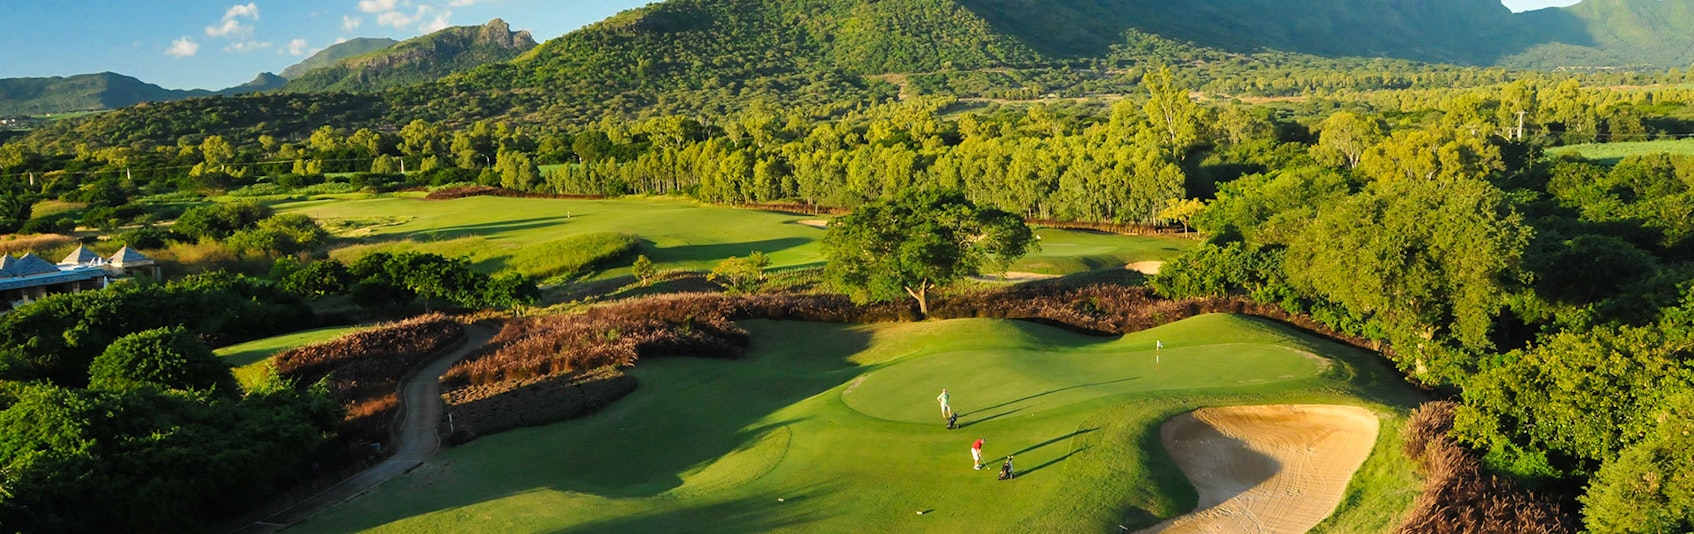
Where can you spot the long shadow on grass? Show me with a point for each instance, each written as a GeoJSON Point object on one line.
{"type": "Point", "coordinates": [450, 232]}
{"type": "Point", "coordinates": [759, 513]}
{"type": "Point", "coordinates": [686, 415]}
{"type": "Point", "coordinates": [1055, 440]}
{"type": "Point", "coordinates": [1039, 395]}
{"type": "Point", "coordinates": [719, 251]}
{"type": "Point", "coordinates": [1049, 463]}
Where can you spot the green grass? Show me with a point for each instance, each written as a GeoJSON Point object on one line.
{"type": "Point", "coordinates": [250, 359]}
{"type": "Point", "coordinates": [1074, 251]}
{"type": "Point", "coordinates": [840, 422]}
{"type": "Point", "coordinates": [496, 233]}
{"type": "Point", "coordinates": [1612, 153]}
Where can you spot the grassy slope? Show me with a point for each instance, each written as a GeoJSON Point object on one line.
{"type": "Point", "coordinates": [675, 233]}
{"type": "Point", "coordinates": [249, 359]}
{"type": "Point", "coordinates": [1611, 153]}
{"type": "Point", "coordinates": [841, 422]}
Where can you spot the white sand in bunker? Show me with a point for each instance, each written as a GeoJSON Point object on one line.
{"type": "Point", "coordinates": [1013, 276]}
{"type": "Point", "coordinates": [814, 223]}
{"type": "Point", "coordinates": [1270, 469]}
{"type": "Point", "coordinates": [1146, 267]}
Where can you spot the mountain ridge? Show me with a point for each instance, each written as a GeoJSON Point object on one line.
{"type": "Point", "coordinates": [419, 59]}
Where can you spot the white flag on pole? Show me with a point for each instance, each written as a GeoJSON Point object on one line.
{"type": "Point", "coordinates": [1158, 344]}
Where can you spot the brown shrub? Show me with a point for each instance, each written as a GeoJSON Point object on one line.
{"type": "Point", "coordinates": [366, 367]}
{"type": "Point", "coordinates": [39, 244]}
{"type": "Point", "coordinates": [1458, 495]}
{"type": "Point", "coordinates": [482, 410]}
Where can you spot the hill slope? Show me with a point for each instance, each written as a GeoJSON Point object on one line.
{"type": "Point", "coordinates": [420, 59]}
{"type": "Point", "coordinates": [84, 92]}
{"type": "Point", "coordinates": [1611, 33]}
{"type": "Point", "coordinates": [337, 52]}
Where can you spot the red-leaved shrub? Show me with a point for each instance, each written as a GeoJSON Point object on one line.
{"type": "Point", "coordinates": [365, 369]}
{"type": "Point", "coordinates": [1458, 495]}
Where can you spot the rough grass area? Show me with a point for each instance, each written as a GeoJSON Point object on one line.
{"type": "Point", "coordinates": [251, 358]}
{"type": "Point", "coordinates": [674, 233]}
{"type": "Point", "coordinates": [571, 256]}
{"type": "Point", "coordinates": [835, 428]}
{"type": "Point", "coordinates": [1612, 153]}
{"type": "Point", "coordinates": [560, 258]}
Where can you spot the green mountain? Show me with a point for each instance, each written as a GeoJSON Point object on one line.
{"type": "Point", "coordinates": [418, 60]}
{"type": "Point", "coordinates": [264, 82]}
{"type": "Point", "coordinates": [337, 52]}
{"type": "Point", "coordinates": [711, 57]}
{"type": "Point", "coordinates": [1610, 33]}
{"type": "Point", "coordinates": [83, 92]}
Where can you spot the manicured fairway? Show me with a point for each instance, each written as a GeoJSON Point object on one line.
{"type": "Point", "coordinates": [1611, 153]}
{"type": "Point", "coordinates": [1074, 251]}
{"type": "Point", "coordinates": [249, 358]}
{"type": "Point", "coordinates": [836, 428]}
{"type": "Point", "coordinates": [676, 234]}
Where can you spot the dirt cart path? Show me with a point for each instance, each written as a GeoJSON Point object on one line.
{"type": "Point", "coordinates": [420, 405]}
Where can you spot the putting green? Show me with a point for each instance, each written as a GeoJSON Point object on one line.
{"type": "Point", "coordinates": [836, 428]}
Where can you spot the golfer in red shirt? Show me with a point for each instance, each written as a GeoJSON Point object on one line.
{"type": "Point", "coordinates": [976, 454]}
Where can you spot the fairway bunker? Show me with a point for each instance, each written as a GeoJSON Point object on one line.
{"type": "Point", "coordinates": [1266, 469]}
{"type": "Point", "coordinates": [1146, 267]}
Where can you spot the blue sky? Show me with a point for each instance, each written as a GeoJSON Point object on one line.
{"type": "Point", "coordinates": [188, 44]}
{"type": "Point", "coordinates": [213, 44]}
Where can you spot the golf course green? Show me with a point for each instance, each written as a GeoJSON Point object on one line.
{"type": "Point", "coordinates": [836, 428]}
{"type": "Point", "coordinates": [494, 232]}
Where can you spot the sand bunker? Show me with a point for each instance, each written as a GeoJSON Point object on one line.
{"type": "Point", "coordinates": [1269, 469]}
{"type": "Point", "coordinates": [814, 223]}
{"type": "Point", "coordinates": [1013, 276]}
{"type": "Point", "coordinates": [1146, 267]}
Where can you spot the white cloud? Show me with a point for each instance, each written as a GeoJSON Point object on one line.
{"type": "Point", "coordinates": [441, 22]}
{"type": "Point", "coordinates": [250, 11]}
{"type": "Point", "coordinates": [248, 46]}
{"type": "Point", "coordinates": [395, 19]}
{"type": "Point", "coordinates": [229, 27]}
{"type": "Point", "coordinates": [297, 47]}
{"type": "Point", "coordinates": [231, 24]}
{"type": "Point", "coordinates": [377, 6]}
{"type": "Point", "coordinates": [463, 3]}
{"type": "Point", "coordinates": [183, 47]}
{"type": "Point", "coordinates": [405, 14]}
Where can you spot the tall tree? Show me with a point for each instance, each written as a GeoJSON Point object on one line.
{"type": "Point", "coordinates": [917, 242]}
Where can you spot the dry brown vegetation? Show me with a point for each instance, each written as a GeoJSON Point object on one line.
{"type": "Point", "coordinates": [1459, 496]}
{"type": "Point", "coordinates": [365, 368]}
{"type": "Point", "coordinates": [39, 244]}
